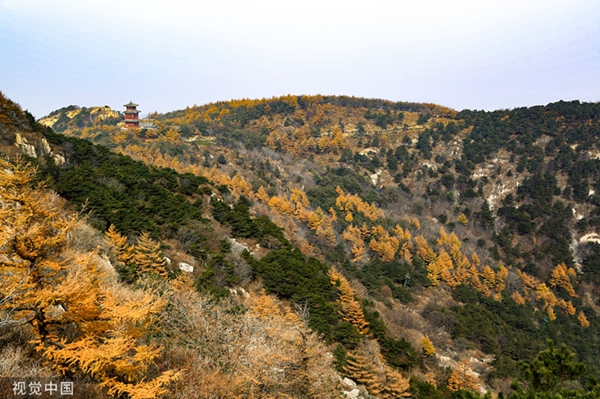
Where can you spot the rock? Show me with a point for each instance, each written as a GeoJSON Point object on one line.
{"type": "Point", "coordinates": [186, 267]}
{"type": "Point", "coordinates": [168, 260]}
{"type": "Point", "coordinates": [348, 384]}
{"type": "Point", "coordinates": [353, 394]}
{"type": "Point", "coordinates": [237, 247]}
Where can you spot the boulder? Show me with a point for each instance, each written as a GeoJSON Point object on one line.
{"type": "Point", "coordinates": [186, 267]}
{"type": "Point", "coordinates": [348, 384]}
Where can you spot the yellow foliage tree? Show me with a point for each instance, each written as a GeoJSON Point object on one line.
{"type": "Point", "coordinates": [567, 307]}
{"type": "Point", "coordinates": [349, 218]}
{"type": "Point", "coordinates": [423, 249]}
{"type": "Point", "coordinates": [337, 140]}
{"type": "Point", "coordinates": [543, 292]}
{"type": "Point", "coordinates": [333, 214]}
{"type": "Point", "coordinates": [428, 348]}
{"type": "Point", "coordinates": [393, 385]}
{"type": "Point", "coordinates": [583, 320]}
{"type": "Point", "coordinates": [148, 257]}
{"type": "Point", "coordinates": [314, 221]}
{"type": "Point", "coordinates": [443, 240]}
{"type": "Point", "coordinates": [560, 277]}
{"type": "Point", "coordinates": [82, 320]}
{"type": "Point", "coordinates": [118, 243]}
{"type": "Point", "coordinates": [262, 195]}
{"type": "Point", "coordinates": [172, 135]}
{"type": "Point", "coordinates": [273, 140]}
{"type": "Point", "coordinates": [488, 276]}
{"type": "Point", "coordinates": [529, 281]}
{"type": "Point", "coordinates": [500, 280]}
{"type": "Point", "coordinates": [462, 377]}
{"type": "Point", "coordinates": [360, 369]}
{"type": "Point", "coordinates": [351, 310]}
{"type": "Point", "coordinates": [551, 314]}
{"type": "Point", "coordinates": [518, 298]}
{"type": "Point", "coordinates": [416, 223]}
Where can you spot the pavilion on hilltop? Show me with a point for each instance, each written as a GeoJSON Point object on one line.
{"type": "Point", "coordinates": [131, 115]}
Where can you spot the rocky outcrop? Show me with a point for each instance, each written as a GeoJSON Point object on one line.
{"type": "Point", "coordinates": [40, 147]}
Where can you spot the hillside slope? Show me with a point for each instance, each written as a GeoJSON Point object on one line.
{"type": "Point", "coordinates": [460, 240]}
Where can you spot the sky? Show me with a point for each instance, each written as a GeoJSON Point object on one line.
{"type": "Point", "coordinates": [167, 55]}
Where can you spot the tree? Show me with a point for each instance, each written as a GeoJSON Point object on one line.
{"type": "Point", "coordinates": [462, 219]}
{"type": "Point", "coordinates": [81, 318]}
{"type": "Point", "coordinates": [428, 348]}
{"type": "Point", "coordinates": [351, 310]}
{"type": "Point", "coordinates": [360, 369]}
{"type": "Point", "coordinates": [148, 257]}
{"type": "Point", "coordinates": [583, 320]}
{"type": "Point", "coordinates": [561, 277]}
{"type": "Point", "coordinates": [549, 370]}
{"type": "Point", "coordinates": [462, 378]}
{"type": "Point", "coordinates": [394, 385]}
{"type": "Point", "coordinates": [121, 250]}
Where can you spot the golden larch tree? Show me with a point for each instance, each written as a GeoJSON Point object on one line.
{"type": "Point", "coordinates": [262, 195]}
{"type": "Point", "coordinates": [351, 310]}
{"type": "Point", "coordinates": [428, 347]}
{"type": "Point", "coordinates": [394, 385]}
{"type": "Point", "coordinates": [518, 298]}
{"type": "Point", "coordinates": [148, 257]}
{"type": "Point", "coordinates": [440, 268]}
{"type": "Point", "coordinates": [82, 320]}
{"type": "Point", "coordinates": [561, 277]}
{"type": "Point", "coordinates": [424, 250]}
{"type": "Point", "coordinates": [360, 369]}
{"type": "Point", "coordinates": [462, 377]}
{"type": "Point", "coordinates": [122, 251]}
{"type": "Point", "coordinates": [583, 320]}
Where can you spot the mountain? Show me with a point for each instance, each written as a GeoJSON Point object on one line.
{"type": "Point", "coordinates": [423, 250]}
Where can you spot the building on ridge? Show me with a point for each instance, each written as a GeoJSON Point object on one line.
{"type": "Point", "coordinates": [131, 116]}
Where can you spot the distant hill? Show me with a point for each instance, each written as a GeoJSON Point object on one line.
{"type": "Point", "coordinates": [73, 117]}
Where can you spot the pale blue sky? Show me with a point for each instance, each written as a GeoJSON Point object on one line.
{"type": "Point", "coordinates": [166, 55]}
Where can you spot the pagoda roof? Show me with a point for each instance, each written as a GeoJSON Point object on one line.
{"type": "Point", "coordinates": [132, 112]}
{"type": "Point", "coordinates": [131, 104]}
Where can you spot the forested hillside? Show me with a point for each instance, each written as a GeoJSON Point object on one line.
{"type": "Point", "coordinates": [417, 250]}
